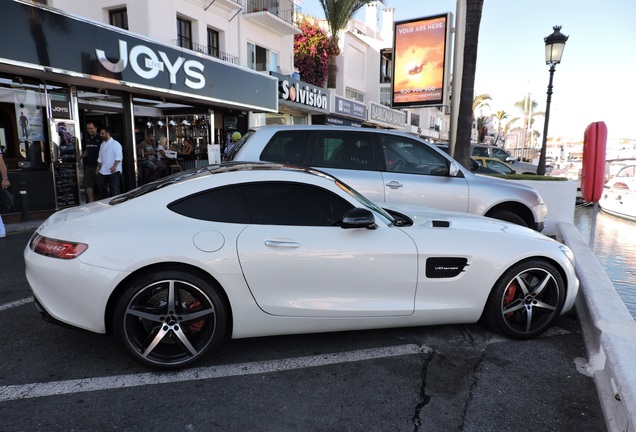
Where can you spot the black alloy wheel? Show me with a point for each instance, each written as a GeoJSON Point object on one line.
{"type": "Point", "coordinates": [526, 300]}
{"type": "Point", "coordinates": [170, 319]}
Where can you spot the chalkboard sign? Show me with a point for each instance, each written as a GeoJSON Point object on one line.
{"type": "Point", "coordinates": [66, 186]}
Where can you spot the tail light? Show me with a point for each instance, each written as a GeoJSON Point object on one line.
{"type": "Point", "coordinates": [57, 248]}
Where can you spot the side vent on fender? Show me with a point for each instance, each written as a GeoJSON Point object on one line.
{"type": "Point", "coordinates": [441, 224]}
{"type": "Point", "coordinates": [450, 267]}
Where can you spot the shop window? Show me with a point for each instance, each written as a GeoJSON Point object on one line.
{"type": "Point", "coordinates": [23, 127]}
{"type": "Point", "coordinates": [184, 33]}
{"type": "Point", "coordinates": [119, 18]}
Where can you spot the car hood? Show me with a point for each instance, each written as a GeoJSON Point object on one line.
{"type": "Point", "coordinates": [424, 217]}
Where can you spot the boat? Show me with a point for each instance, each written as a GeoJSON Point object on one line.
{"type": "Point", "coordinates": [619, 193]}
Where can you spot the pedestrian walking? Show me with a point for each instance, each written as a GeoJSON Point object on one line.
{"type": "Point", "coordinates": [89, 157]}
{"type": "Point", "coordinates": [109, 165]}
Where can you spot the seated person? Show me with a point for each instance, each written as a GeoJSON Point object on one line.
{"type": "Point", "coordinates": [163, 161]}
{"type": "Point", "coordinates": [147, 156]}
{"type": "Point", "coordinates": [186, 149]}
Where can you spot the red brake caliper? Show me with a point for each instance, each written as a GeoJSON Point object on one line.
{"type": "Point", "coordinates": [510, 296]}
{"type": "Point", "coordinates": [197, 326]}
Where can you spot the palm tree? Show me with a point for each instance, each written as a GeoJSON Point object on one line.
{"type": "Point", "coordinates": [481, 101]}
{"type": "Point", "coordinates": [528, 107]}
{"type": "Point", "coordinates": [338, 13]}
{"type": "Point", "coordinates": [500, 115]}
{"type": "Point", "coordinates": [482, 127]}
{"type": "Point", "coordinates": [465, 116]}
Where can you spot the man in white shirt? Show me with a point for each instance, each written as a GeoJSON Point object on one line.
{"type": "Point", "coordinates": [109, 165]}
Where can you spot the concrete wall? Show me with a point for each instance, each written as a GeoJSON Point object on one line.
{"type": "Point", "coordinates": [560, 198]}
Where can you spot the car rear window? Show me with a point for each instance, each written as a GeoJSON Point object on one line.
{"type": "Point", "coordinates": [286, 147]}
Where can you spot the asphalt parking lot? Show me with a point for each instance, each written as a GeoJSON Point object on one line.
{"type": "Point", "coordinates": [441, 378]}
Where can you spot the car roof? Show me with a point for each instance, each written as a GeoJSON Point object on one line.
{"type": "Point", "coordinates": [218, 169]}
{"type": "Point", "coordinates": [276, 128]}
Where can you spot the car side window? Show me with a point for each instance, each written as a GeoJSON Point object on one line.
{"type": "Point", "coordinates": [500, 154]}
{"type": "Point", "coordinates": [403, 155]}
{"type": "Point", "coordinates": [286, 147]}
{"type": "Point", "coordinates": [223, 204]}
{"type": "Point", "coordinates": [344, 150]}
{"type": "Point", "coordinates": [480, 152]}
{"type": "Point", "coordinates": [271, 203]}
{"type": "Point", "coordinates": [500, 167]}
{"type": "Point", "coordinates": [285, 203]}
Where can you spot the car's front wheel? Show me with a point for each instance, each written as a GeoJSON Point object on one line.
{"type": "Point", "coordinates": [526, 299]}
{"type": "Point", "coordinates": [508, 216]}
{"type": "Point", "coordinates": [170, 319]}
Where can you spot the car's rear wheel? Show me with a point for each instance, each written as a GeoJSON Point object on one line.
{"type": "Point", "coordinates": [170, 319]}
{"type": "Point", "coordinates": [508, 216]}
{"type": "Point", "coordinates": [526, 300]}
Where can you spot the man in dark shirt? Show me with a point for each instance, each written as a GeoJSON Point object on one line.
{"type": "Point", "coordinates": [90, 154]}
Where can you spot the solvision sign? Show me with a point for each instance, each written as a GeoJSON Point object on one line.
{"type": "Point", "coordinates": [298, 92]}
{"type": "Point", "coordinates": [148, 64]}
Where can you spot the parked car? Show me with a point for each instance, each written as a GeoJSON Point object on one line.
{"type": "Point", "coordinates": [483, 150]}
{"type": "Point", "coordinates": [494, 164]}
{"type": "Point", "coordinates": [255, 249]}
{"type": "Point", "coordinates": [393, 167]}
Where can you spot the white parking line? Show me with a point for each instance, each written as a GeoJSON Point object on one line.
{"type": "Point", "coordinates": [16, 303]}
{"type": "Point", "coordinates": [35, 390]}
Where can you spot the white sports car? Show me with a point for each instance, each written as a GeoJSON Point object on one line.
{"type": "Point", "coordinates": [252, 249]}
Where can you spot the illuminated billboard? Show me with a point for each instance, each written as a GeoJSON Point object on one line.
{"type": "Point", "coordinates": [421, 61]}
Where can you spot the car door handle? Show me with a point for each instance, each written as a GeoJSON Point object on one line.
{"type": "Point", "coordinates": [394, 184]}
{"type": "Point", "coordinates": [282, 243]}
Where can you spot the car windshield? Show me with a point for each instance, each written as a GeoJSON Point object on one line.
{"type": "Point", "coordinates": [239, 144]}
{"type": "Point", "coordinates": [386, 217]}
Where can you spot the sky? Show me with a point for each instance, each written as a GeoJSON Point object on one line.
{"type": "Point", "coordinates": [595, 81]}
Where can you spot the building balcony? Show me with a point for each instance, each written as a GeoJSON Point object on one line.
{"type": "Point", "coordinates": [230, 4]}
{"type": "Point", "coordinates": [277, 15]}
{"type": "Point", "coordinates": [207, 50]}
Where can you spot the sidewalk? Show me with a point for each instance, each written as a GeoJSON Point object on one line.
{"type": "Point", "coordinates": [13, 222]}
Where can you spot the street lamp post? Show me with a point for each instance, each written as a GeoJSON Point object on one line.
{"type": "Point", "coordinates": [554, 45]}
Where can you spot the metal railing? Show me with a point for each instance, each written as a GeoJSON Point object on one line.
{"type": "Point", "coordinates": [273, 7]}
{"type": "Point", "coordinates": [210, 51]}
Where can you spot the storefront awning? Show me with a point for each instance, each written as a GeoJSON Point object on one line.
{"type": "Point", "coordinates": [82, 52]}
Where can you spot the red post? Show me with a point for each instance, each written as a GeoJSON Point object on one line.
{"type": "Point", "coordinates": [593, 171]}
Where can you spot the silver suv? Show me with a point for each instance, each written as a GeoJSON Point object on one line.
{"type": "Point", "coordinates": [393, 167]}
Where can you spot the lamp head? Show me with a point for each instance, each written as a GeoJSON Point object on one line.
{"type": "Point", "coordinates": [554, 45]}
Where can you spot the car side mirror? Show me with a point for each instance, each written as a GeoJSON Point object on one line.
{"type": "Point", "coordinates": [358, 218]}
{"type": "Point", "coordinates": [453, 168]}
{"type": "Point", "coordinates": [474, 166]}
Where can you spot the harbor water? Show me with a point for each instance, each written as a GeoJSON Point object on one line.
{"type": "Point", "coordinates": [614, 245]}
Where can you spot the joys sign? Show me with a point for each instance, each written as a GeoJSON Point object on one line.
{"type": "Point", "coordinates": [147, 64]}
